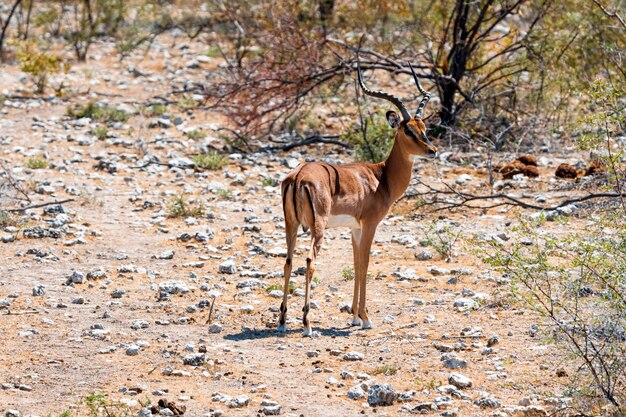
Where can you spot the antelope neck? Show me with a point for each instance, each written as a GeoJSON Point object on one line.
{"type": "Point", "coordinates": [396, 171]}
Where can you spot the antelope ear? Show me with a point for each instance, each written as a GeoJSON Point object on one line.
{"type": "Point", "coordinates": [393, 119]}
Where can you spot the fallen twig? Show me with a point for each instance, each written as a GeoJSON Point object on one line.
{"type": "Point", "coordinates": [19, 210]}
{"type": "Point", "coordinates": [307, 141]}
{"type": "Point", "coordinates": [466, 198]}
{"type": "Point", "coordinates": [18, 313]}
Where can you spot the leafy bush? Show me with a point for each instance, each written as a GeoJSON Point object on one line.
{"type": "Point", "coordinates": [36, 163]}
{"type": "Point", "coordinates": [372, 139]}
{"type": "Point", "coordinates": [576, 281]}
{"type": "Point", "coordinates": [100, 132]}
{"type": "Point", "coordinates": [212, 161]}
{"type": "Point", "coordinates": [180, 207]}
{"type": "Point", "coordinates": [101, 113]}
{"type": "Point", "coordinates": [39, 64]}
{"type": "Point", "coordinates": [196, 134]}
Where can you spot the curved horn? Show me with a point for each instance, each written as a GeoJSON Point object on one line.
{"type": "Point", "coordinates": [379, 94]}
{"type": "Point", "coordinates": [426, 94]}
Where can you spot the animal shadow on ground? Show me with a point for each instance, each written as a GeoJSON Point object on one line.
{"type": "Point", "coordinates": [251, 334]}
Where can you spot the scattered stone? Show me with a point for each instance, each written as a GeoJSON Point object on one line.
{"type": "Point", "coordinates": [451, 361]}
{"type": "Point", "coordinates": [239, 401]}
{"type": "Point", "coordinates": [487, 402]}
{"type": "Point", "coordinates": [132, 350]}
{"type": "Point", "coordinates": [139, 324]}
{"type": "Point", "coordinates": [97, 273]}
{"type": "Point", "coordinates": [493, 340]}
{"type": "Point", "coordinates": [356, 393]}
{"type": "Point", "coordinates": [381, 394]}
{"type": "Point", "coordinates": [75, 278]}
{"type": "Point", "coordinates": [215, 328]}
{"type": "Point", "coordinates": [272, 410]}
{"type": "Point", "coordinates": [228, 267]}
{"type": "Point", "coordinates": [168, 254]}
{"type": "Point", "coordinates": [353, 356]}
{"type": "Point", "coordinates": [174, 287]}
{"type": "Point", "coordinates": [437, 271]}
{"type": "Point", "coordinates": [39, 290]}
{"type": "Point", "coordinates": [194, 359]}
{"type": "Point", "coordinates": [424, 255]}
{"type": "Point", "coordinates": [459, 381]}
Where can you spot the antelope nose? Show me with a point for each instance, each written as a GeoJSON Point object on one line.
{"type": "Point", "coordinates": [432, 152]}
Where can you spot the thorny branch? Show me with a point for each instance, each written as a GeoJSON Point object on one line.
{"type": "Point", "coordinates": [463, 199]}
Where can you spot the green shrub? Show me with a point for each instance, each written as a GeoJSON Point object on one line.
{"type": "Point", "coordinates": [100, 132]}
{"type": "Point", "coordinates": [196, 134]}
{"type": "Point", "coordinates": [575, 280]}
{"type": "Point", "coordinates": [101, 113]}
{"type": "Point", "coordinates": [269, 182]}
{"type": "Point", "coordinates": [224, 194]}
{"type": "Point", "coordinates": [180, 207]}
{"type": "Point", "coordinates": [385, 370]}
{"type": "Point", "coordinates": [36, 163]}
{"type": "Point", "coordinates": [39, 64]}
{"type": "Point", "coordinates": [211, 160]}
{"type": "Point", "coordinates": [372, 140]}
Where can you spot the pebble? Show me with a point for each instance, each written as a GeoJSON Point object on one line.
{"type": "Point", "coordinates": [39, 290]}
{"type": "Point", "coordinates": [139, 324]}
{"type": "Point", "coordinates": [132, 350]}
{"type": "Point", "coordinates": [353, 356]}
{"type": "Point", "coordinates": [487, 402]}
{"type": "Point", "coordinates": [272, 410]}
{"type": "Point", "coordinates": [356, 393]}
{"type": "Point", "coordinates": [215, 328]}
{"type": "Point", "coordinates": [381, 394]}
{"type": "Point", "coordinates": [437, 271]}
{"type": "Point", "coordinates": [451, 361]}
{"type": "Point", "coordinates": [195, 359]}
{"type": "Point", "coordinates": [228, 267]}
{"type": "Point", "coordinates": [459, 381]}
{"type": "Point", "coordinates": [174, 287]}
{"type": "Point", "coordinates": [239, 401]}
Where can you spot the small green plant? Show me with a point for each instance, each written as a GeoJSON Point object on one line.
{"type": "Point", "coordinates": [211, 160]}
{"type": "Point", "coordinates": [36, 163]}
{"type": "Point", "coordinates": [385, 370]}
{"type": "Point", "coordinates": [154, 110]}
{"type": "Point", "coordinates": [187, 103]}
{"type": "Point", "coordinates": [196, 134]}
{"type": "Point", "coordinates": [39, 64]}
{"type": "Point", "coordinates": [180, 207]}
{"type": "Point", "coordinates": [347, 273]}
{"type": "Point", "coordinates": [269, 182]}
{"type": "Point", "coordinates": [279, 287]}
{"type": "Point", "coordinates": [371, 138]}
{"type": "Point", "coordinates": [214, 51]}
{"type": "Point", "coordinates": [101, 113]}
{"type": "Point", "coordinates": [100, 132]}
{"type": "Point", "coordinates": [7, 220]}
{"type": "Point", "coordinates": [443, 239]}
{"type": "Point", "coordinates": [99, 406]}
{"type": "Point", "coordinates": [224, 194]}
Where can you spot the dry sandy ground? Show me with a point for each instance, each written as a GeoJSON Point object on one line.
{"type": "Point", "coordinates": [58, 348]}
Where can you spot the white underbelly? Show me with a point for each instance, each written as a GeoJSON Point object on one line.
{"type": "Point", "coordinates": [343, 220]}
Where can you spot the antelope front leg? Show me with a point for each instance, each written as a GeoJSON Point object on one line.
{"type": "Point", "coordinates": [367, 237]}
{"type": "Point", "coordinates": [356, 240]}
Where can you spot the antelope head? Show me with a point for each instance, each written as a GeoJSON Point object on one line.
{"type": "Point", "coordinates": [410, 130]}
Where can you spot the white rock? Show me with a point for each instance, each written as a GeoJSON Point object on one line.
{"type": "Point", "coordinates": [459, 381]}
